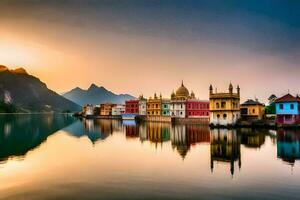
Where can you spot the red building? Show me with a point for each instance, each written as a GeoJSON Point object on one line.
{"type": "Point", "coordinates": [132, 107]}
{"type": "Point", "coordinates": [197, 108]}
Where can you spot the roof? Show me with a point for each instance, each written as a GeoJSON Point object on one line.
{"type": "Point", "coordinates": [251, 102]}
{"type": "Point", "coordinates": [288, 98]}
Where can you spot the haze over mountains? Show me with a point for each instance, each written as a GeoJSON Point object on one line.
{"type": "Point", "coordinates": [95, 95]}
{"type": "Point", "coordinates": [28, 94]}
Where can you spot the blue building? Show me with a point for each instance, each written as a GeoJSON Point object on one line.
{"type": "Point", "coordinates": [287, 109]}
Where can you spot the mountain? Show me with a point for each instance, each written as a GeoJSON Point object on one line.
{"type": "Point", "coordinates": [95, 95]}
{"type": "Point", "coordinates": [28, 94]}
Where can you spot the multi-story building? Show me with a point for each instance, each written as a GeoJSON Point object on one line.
{"type": "Point", "coordinates": [224, 107]}
{"type": "Point", "coordinates": [106, 108]}
{"type": "Point", "coordinates": [288, 109]}
{"type": "Point", "coordinates": [118, 110]}
{"type": "Point", "coordinates": [142, 105]}
{"type": "Point", "coordinates": [165, 107]}
{"type": "Point", "coordinates": [178, 102]}
{"type": "Point", "coordinates": [197, 109]}
{"type": "Point", "coordinates": [132, 107]}
{"type": "Point", "coordinates": [88, 110]}
{"type": "Point", "coordinates": [252, 109]}
{"type": "Point", "coordinates": [154, 106]}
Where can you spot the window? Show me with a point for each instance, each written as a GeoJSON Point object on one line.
{"type": "Point", "coordinates": [253, 111]}
{"type": "Point", "coordinates": [180, 113]}
{"type": "Point", "coordinates": [225, 116]}
{"type": "Point", "coordinates": [281, 106]}
{"type": "Point", "coordinates": [218, 116]}
{"type": "Point", "coordinates": [223, 104]}
{"type": "Point", "coordinates": [292, 106]}
{"type": "Point", "coordinates": [218, 105]}
{"type": "Point", "coordinates": [156, 105]}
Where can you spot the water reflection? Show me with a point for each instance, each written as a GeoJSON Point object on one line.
{"type": "Point", "coordinates": [225, 147]}
{"type": "Point", "coordinates": [288, 145]}
{"type": "Point", "coordinates": [21, 133]}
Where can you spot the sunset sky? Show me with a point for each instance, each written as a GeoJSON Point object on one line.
{"type": "Point", "coordinates": [147, 46]}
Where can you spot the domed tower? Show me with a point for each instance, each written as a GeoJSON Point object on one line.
{"type": "Point", "coordinates": [211, 89]}
{"type": "Point", "coordinates": [182, 92]}
{"type": "Point", "coordinates": [193, 95]}
{"type": "Point", "coordinates": [173, 95]}
{"type": "Point", "coordinates": [230, 88]}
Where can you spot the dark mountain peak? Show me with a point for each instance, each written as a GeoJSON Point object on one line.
{"type": "Point", "coordinates": [3, 68]}
{"type": "Point", "coordinates": [20, 70]}
{"type": "Point", "coordinates": [93, 86]}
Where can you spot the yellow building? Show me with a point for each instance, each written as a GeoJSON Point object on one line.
{"type": "Point", "coordinates": [154, 106]}
{"type": "Point", "coordinates": [253, 109]}
{"type": "Point", "coordinates": [106, 108]}
{"type": "Point", "coordinates": [224, 107]}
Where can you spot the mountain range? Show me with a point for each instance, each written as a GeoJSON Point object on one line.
{"type": "Point", "coordinates": [22, 92]}
{"type": "Point", "coordinates": [95, 95]}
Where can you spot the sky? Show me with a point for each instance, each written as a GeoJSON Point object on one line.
{"type": "Point", "coordinates": [146, 46]}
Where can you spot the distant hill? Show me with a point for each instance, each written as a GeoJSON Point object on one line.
{"type": "Point", "coordinates": [27, 93]}
{"type": "Point", "coordinates": [95, 95]}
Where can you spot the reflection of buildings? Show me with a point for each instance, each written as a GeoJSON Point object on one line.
{"type": "Point", "coordinates": [184, 136]}
{"type": "Point", "coordinates": [252, 138]}
{"type": "Point", "coordinates": [100, 129]}
{"type": "Point", "coordinates": [225, 147]}
{"type": "Point", "coordinates": [158, 132]}
{"type": "Point", "coordinates": [288, 145]}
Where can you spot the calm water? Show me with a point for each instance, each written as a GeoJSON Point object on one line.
{"type": "Point", "coordinates": [60, 157]}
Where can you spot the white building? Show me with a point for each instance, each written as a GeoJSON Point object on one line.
{"type": "Point", "coordinates": [88, 110]}
{"type": "Point", "coordinates": [142, 105]}
{"type": "Point", "coordinates": [177, 108]}
{"type": "Point", "coordinates": [118, 110]}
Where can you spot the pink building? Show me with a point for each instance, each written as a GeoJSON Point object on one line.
{"type": "Point", "coordinates": [132, 107]}
{"type": "Point", "coordinates": [197, 108]}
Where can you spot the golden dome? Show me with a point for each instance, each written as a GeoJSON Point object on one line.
{"type": "Point", "coordinates": [182, 91]}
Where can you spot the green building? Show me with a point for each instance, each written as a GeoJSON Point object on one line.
{"type": "Point", "coordinates": [165, 107]}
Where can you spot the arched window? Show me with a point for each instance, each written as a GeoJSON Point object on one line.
{"type": "Point", "coordinates": [218, 116]}
{"type": "Point", "coordinates": [224, 116]}
{"type": "Point", "coordinates": [217, 105]}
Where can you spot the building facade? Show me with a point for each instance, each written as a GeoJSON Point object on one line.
{"type": "Point", "coordinates": [118, 110]}
{"type": "Point", "coordinates": [252, 109]}
{"type": "Point", "coordinates": [196, 108]}
{"type": "Point", "coordinates": [154, 106]}
{"type": "Point", "coordinates": [132, 107]}
{"type": "Point", "coordinates": [106, 109]}
{"type": "Point", "coordinates": [224, 107]}
{"type": "Point", "coordinates": [142, 105]}
{"type": "Point", "coordinates": [287, 109]}
{"type": "Point", "coordinates": [178, 102]}
{"type": "Point", "coordinates": [165, 107]}
{"type": "Point", "coordinates": [88, 110]}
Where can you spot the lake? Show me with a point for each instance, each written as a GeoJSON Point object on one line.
{"type": "Point", "coordinates": [61, 157]}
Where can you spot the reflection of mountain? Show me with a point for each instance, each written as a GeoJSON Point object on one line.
{"type": "Point", "coordinates": [183, 136]}
{"type": "Point", "coordinates": [21, 133]}
{"type": "Point", "coordinates": [95, 130]}
{"type": "Point", "coordinates": [252, 138]}
{"type": "Point", "coordinates": [288, 145]}
{"type": "Point", "coordinates": [225, 147]}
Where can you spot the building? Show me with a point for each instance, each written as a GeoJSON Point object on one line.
{"type": "Point", "coordinates": [142, 105]}
{"type": "Point", "coordinates": [88, 110]}
{"type": "Point", "coordinates": [118, 110]}
{"type": "Point", "coordinates": [165, 107]}
{"type": "Point", "coordinates": [132, 107]}
{"type": "Point", "coordinates": [197, 109]}
{"type": "Point", "coordinates": [154, 105]}
{"type": "Point", "coordinates": [106, 109]}
{"type": "Point", "coordinates": [178, 102]}
{"type": "Point", "coordinates": [224, 107]}
{"type": "Point", "coordinates": [287, 109]}
{"type": "Point", "coordinates": [252, 109]}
